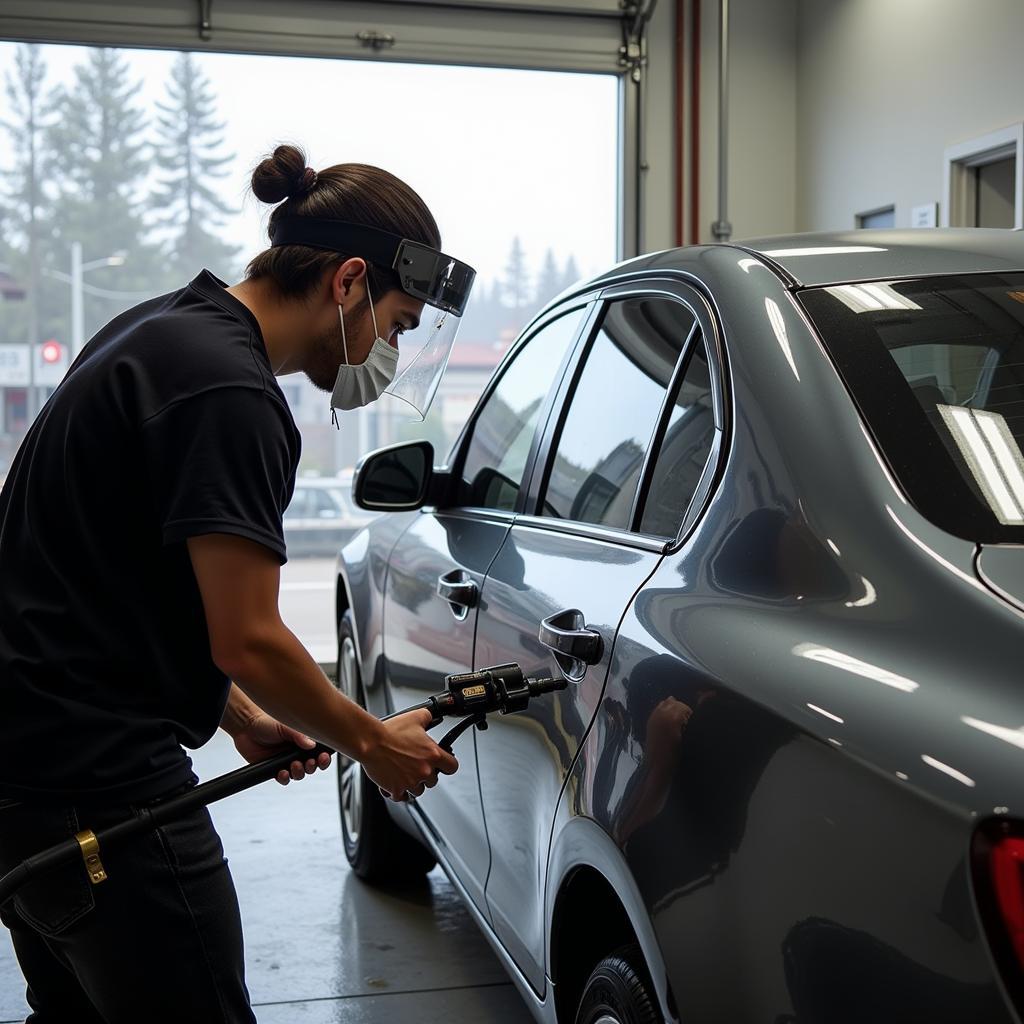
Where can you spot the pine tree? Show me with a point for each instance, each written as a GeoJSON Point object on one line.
{"type": "Point", "coordinates": [515, 283]}
{"type": "Point", "coordinates": [549, 280]}
{"type": "Point", "coordinates": [24, 225]}
{"type": "Point", "coordinates": [188, 137]}
{"type": "Point", "coordinates": [572, 273]}
{"type": "Point", "coordinates": [101, 163]}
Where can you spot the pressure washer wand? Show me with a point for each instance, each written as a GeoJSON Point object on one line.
{"type": "Point", "coordinates": [502, 688]}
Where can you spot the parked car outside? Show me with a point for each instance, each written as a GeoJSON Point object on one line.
{"type": "Point", "coordinates": [321, 516]}
{"type": "Point", "coordinates": [767, 502]}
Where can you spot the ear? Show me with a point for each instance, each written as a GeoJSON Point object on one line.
{"type": "Point", "coordinates": [349, 274]}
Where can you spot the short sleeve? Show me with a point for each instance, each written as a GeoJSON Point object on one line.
{"type": "Point", "coordinates": [222, 461]}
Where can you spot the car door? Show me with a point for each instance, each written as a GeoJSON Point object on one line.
{"type": "Point", "coordinates": [437, 569]}
{"type": "Point", "coordinates": [569, 571]}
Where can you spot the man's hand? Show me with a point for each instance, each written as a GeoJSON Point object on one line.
{"type": "Point", "coordinates": [405, 760]}
{"type": "Point", "coordinates": [264, 736]}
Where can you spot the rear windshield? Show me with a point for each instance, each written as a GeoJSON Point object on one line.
{"type": "Point", "coordinates": [937, 368]}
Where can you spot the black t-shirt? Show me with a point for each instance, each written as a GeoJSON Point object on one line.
{"type": "Point", "coordinates": [168, 425]}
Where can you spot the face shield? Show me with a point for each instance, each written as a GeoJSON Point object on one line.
{"type": "Point", "coordinates": [422, 359]}
{"type": "Point", "coordinates": [441, 282]}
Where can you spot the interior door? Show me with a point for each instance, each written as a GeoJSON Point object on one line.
{"type": "Point", "coordinates": [437, 569]}
{"type": "Point", "coordinates": [568, 574]}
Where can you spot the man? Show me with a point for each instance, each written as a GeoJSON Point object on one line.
{"type": "Point", "coordinates": [140, 549]}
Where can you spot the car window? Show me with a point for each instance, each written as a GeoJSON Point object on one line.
{"type": "Point", "coordinates": [341, 499]}
{"type": "Point", "coordinates": [495, 459]}
{"type": "Point", "coordinates": [936, 366]}
{"type": "Point", "coordinates": [685, 448]}
{"type": "Point", "coordinates": [614, 409]}
{"type": "Point", "coordinates": [322, 503]}
{"type": "Point", "coordinates": [298, 507]}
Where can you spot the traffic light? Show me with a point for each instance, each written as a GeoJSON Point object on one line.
{"type": "Point", "coordinates": [51, 359]}
{"type": "Point", "coordinates": [53, 351]}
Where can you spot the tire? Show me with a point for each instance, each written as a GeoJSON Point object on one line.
{"type": "Point", "coordinates": [378, 851]}
{"type": "Point", "coordinates": [618, 992]}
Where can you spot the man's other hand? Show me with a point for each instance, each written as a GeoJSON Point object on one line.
{"type": "Point", "coordinates": [265, 736]}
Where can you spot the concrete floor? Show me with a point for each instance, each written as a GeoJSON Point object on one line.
{"type": "Point", "coordinates": [321, 947]}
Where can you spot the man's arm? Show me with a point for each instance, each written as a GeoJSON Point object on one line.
{"type": "Point", "coordinates": [239, 581]}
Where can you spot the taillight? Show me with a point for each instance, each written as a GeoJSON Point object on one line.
{"type": "Point", "coordinates": [997, 861]}
{"type": "Point", "coordinates": [1007, 869]}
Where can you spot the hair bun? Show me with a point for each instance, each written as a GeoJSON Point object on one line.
{"type": "Point", "coordinates": [282, 174]}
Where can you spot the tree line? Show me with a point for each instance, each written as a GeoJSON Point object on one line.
{"type": "Point", "coordinates": [498, 309]}
{"type": "Point", "coordinates": [86, 164]}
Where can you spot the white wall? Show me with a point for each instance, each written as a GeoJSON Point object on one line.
{"type": "Point", "coordinates": [884, 86]}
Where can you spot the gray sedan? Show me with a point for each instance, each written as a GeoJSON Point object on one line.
{"type": "Point", "coordinates": [762, 505]}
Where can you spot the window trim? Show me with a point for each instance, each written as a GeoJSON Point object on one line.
{"type": "Point", "coordinates": [691, 297]}
{"type": "Point", "coordinates": [592, 531]}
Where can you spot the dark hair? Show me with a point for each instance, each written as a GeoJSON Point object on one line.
{"type": "Point", "coordinates": [353, 192]}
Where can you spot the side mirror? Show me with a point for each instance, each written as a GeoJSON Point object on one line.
{"type": "Point", "coordinates": [395, 479]}
{"type": "Point", "coordinates": [492, 489]}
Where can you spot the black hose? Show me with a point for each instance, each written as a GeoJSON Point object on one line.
{"type": "Point", "coordinates": [150, 817]}
{"type": "Point", "coordinates": [200, 796]}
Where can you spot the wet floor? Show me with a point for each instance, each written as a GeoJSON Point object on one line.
{"type": "Point", "coordinates": [321, 947]}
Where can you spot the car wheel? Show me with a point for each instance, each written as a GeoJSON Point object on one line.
{"type": "Point", "coordinates": [618, 992]}
{"type": "Point", "coordinates": [378, 851]}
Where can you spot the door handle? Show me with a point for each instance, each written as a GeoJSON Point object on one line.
{"type": "Point", "coordinates": [459, 590]}
{"type": "Point", "coordinates": [574, 645]}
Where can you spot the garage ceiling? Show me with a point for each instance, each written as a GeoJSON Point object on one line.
{"type": "Point", "coordinates": [572, 35]}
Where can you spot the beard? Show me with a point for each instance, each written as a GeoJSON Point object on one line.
{"type": "Point", "coordinates": [327, 351]}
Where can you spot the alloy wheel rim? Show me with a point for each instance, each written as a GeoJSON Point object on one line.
{"type": "Point", "coordinates": [351, 781]}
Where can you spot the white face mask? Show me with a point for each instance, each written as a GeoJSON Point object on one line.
{"type": "Point", "coordinates": [365, 383]}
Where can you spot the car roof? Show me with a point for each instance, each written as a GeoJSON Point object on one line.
{"type": "Point", "coordinates": [873, 255]}
{"type": "Point", "coordinates": [840, 257]}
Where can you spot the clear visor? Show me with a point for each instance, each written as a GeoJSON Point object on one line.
{"type": "Point", "coordinates": [422, 359]}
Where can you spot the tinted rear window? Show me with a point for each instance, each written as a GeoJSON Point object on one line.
{"type": "Point", "coordinates": [936, 367]}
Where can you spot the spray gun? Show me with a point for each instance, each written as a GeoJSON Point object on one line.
{"type": "Point", "coordinates": [470, 695]}
{"type": "Point", "coordinates": [502, 688]}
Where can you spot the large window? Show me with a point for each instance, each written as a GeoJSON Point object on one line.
{"type": "Point", "coordinates": [125, 172]}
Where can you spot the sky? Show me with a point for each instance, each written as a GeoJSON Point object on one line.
{"type": "Point", "coordinates": [495, 153]}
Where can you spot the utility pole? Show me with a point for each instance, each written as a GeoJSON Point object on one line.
{"type": "Point", "coordinates": [77, 327]}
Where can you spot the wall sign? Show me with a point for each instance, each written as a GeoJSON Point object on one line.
{"type": "Point", "coordinates": [14, 366]}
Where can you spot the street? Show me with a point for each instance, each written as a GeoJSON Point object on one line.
{"type": "Point", "coordinates": [307, 605]}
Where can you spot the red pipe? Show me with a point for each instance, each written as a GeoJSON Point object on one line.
{"type": "Point", "coordinates": [679, 126]}
{"type": "Point", "coordinates": [695, 121]}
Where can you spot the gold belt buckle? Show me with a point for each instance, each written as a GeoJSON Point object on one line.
{"type": "Point", "coordinates": [91, 855]}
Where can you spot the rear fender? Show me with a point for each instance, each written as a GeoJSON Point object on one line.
{"type": "Point", "coordinates": [582, 843]}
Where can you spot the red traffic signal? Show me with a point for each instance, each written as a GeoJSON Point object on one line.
{"type": "Point", "coordinates": [53, 352]}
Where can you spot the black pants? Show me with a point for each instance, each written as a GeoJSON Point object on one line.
{"type": "Point", "coordinates": [159, 940]}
